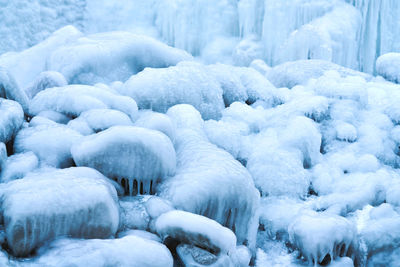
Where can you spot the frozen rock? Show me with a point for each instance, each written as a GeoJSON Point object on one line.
{"type": "Point", "coordinates": [197, 230]}
{"type": "Point", "coordinates": [50, 142]}
{"type": "Point", "coordinates": [131, 250]}
{"type": "Point", "coordinates": [133, 213]}
{"type": "Point", "coordinates": [186, 116]}
{"type": "Point", "coordinates": [76, 202]}
{"type": "Point", "coordinates": [9, 89]}
{"type": "Point", "coordinates": [18, 165]}
{"type": "Point", "coordinates": [388, 66]}
{"type": "Point", "coordinates": [46, 79]}
{"type": "Point", "coordinates": [194, 256]}
{"type": "Point", "coordinates": [156, 121]}
{"type": "Point", "coordinates": [72, 100]}
{"type": "Point", "coordinates": [11, 119]}
{"type": "Point", "coordinates": [140, 233]}
{"type": "Point", "coordinates": [137, 158]}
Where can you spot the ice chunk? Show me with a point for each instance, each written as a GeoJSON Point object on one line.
{"type": "Point", "coordinates": [46, 79]}
{"type": "Point", "coordinates": [322, 237]}
{"type": "Point", "coordinates": [3, 158]}
{"type": "Point", "coordinates": [196, 230]}
{"type": "Point", "coordinates": [137, 158]}
{"type": "Point", "coordinates": [140, 233]}
{"type": "Point", "coordinates": [113, 56]}
{"type": "Point", "coordinates": [51, 143]}
{"type": "Point", "coordinates": [76, 202]}
{"type": "Point", "coordinates": [133, 213]}
{"type": "Point", "coordinates": [186, 116]}
{"type": "Point", "coordinates": [18, 165]}
{"type": "Point", "coordinates": [72, 100]}
{"type": "Point", "coordinates": [155, 206]}
{"type": "Point", "coordinates": [54, 116]}
{"type": "Point", "coordinates": [97, 120]}
{"type": "Point", "coordinates": [211, 183]}
{"type": "Point", "coordinates": [11, 119]}
{"type": "Point", "coordinates": [388, 66]}
{"type": "Point", "coordinates": [186, 83]}
{"type": "Point", "coordinates": [130, 250]}
{"type": "Point", "coordinates": [9, 89]}
{"type": "Point", "coordinates": [196, 257]}
{"type": "Point", "coordinates": [156, 121]}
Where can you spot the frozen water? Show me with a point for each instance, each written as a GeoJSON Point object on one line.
{"type": "Point", "coordinates": [17, 166]}
{"type": "Point", "coordinates": [156, 121]}
{"type": "Point", "coordinates": [11, 119]}
{"type": "Point", "coordinates": [77, 202]}
{"type": "Point", "coordinates": [388, 66]}
{"type": "Point", "coordinates": [136, 157]}
{"type": "Point", "coordinates": [46, 79]}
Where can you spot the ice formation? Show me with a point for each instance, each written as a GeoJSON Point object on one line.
{"type": "Point", "coordinates": [388, 66]}
{"type": "Point", "coordinates": [18, 165]}
{"type": "Point", "coordinates": [136, 157]}
{"type": "Point", "coordinates": [126, 251]}
{"type": "Point", "coordinates": [12, 117]}
{"type": "Point", "coordinates": [77, 202]}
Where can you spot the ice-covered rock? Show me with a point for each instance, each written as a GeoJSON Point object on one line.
{"type": "Point", "coordinates": [3, 158]}
{"type": "Point", "coordinates": [72, 100]}
{"type": "Point", "coordinates": [187, 83]}
{"type": "Point", "coordinates": [76, 202]}
{"type": "Point", "coordinates": [46, 79]}
{"type": "Point", "coordinates": [9, 89]}
{"type": "Point", "coordinates": [140, 233]}
{"type": "Point", "coordinates": [156, 121]}
{"type": "Point", "coordinates": [211, 183]}
{"type": "Point", "coordinates": [50, 142]}
{"type": "Point", "coordinates": [18, 165]}
{"type": "Point", "coordinates": [197, 230]}
{"type": "Point", "coordinates": [54, 116]}
{"type": "Point", "coordinates": [11, 119]}
{"type": "Point", "coordinates": [127, 251]}
{"type": "Point", "coordinates": [322, 238]}
{"type": "Point", "coordinates": [388, 65]}
{"type": "Point", "coordinates": [133, 213]}
{"type": "Point", "coordinates": [137, 158]}
{"type": "Point", "coordinates": [113, 56]}
{"type": "Point", "coordinates": [186, 116]}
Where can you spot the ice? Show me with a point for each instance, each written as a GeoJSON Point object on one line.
{"type": "Point", "coordinates": [11, 119]}
{"type": "Point", "coordinates": [46, 79]}
{"type": "Point", "coordinates": [196, 230]}
{"type": "Point", "coordinates": [211, 183]}
{"type": "Point", "coordinates": [114, 56]}
{"type": "Point", "coordinates": [18, 165]}
{"type": "Point", "coordinates": [51, 143]}
{"type": "Point", "coordinates": [388, 66]}
{"type": "Point", "coordinates": [127, 251]}
{"type": "Point", "coordinates": [72, 100]}
{"type": "Point", "coordinates": [156, 121]}
{"type": "Point", "coordinates": [133, 213]}
{"type": "Point", "coordinates": [9, 89]}
{"type": "Point", "coordinates": [186, 116]}
{"type": "Point", "coordinates": [137, 158]}
{"type": "Point", "coordinates": [323, 237]}
{"type": "Point", "coordinates": [140, 233]}
{"type": "Point", "coordinates": [186, 83]}
{"type": "Point", "coordinates": [54, 116]}
{"type": "Point", "coordinates": [77, 202]}
{"type": "Point", "coordinates": [96, 120]}
{"type": "Point", "coordinates": [3, 158]}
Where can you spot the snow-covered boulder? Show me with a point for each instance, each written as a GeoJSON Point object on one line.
{"type": "Point", "coordinates": [72, 100]}
{"type": "Point", "coordinates": [156, 121]}
{"type": "Point", "coordinates": [96, 120]}
{"type": "Point", "coordinates": [112, 56]}
{"type": "Point", "coordinates": [76, 202]}
{"type": "Point", "coordinates": [11, 119]}
{"type": "Point", "coordinates": [18, 165]}
{"type": "Point", "coordinates": [323, 237]}
{"type": "Point", "coordinates": [197, 230]}
{"type": "Point", "coordinates": [210, 182]}
{"type": "Point", "coordinates": [187, 83]}
{"type": "Point", "coordinates": [46, 79]}
{"type": "Point", "coordinates": [388, 66]}
{"type": "Point", "coordinates": [128, 251]}
{"type": "Point", "coordinates": [9, 89]}
{"type": "Point", "coordinates": [50, 142]}
{"type": "Point", "coordinates": [137, 158]}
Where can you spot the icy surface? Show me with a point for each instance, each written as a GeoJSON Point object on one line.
{"type": "Point", "coordinates": [18, 165]}
{"type": "Point", "coordinates": [12, 117]}
{"type": "Point", "coordinates": [77, 202]}
{"type": "Point", "coordinates": [127, 251]}
{"type": "Point", "coordinates": [136, 157]}
{"type": "Point", "coordinates": [388, 66]}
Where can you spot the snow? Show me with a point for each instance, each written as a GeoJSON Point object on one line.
{"type": "Point", "coordinates": [137, 158]}
{"type": "Point", "coordinates": [12, 117]}
{"type": "Point", "coordinates": [78, 202]}
{"type": "Point", "coordinates": [196, 230]}
{"type": "Point", "coordinates": [51, 143]}
{"type": "Point", "coordinates": [126, 251]}
{"type": "Point", "coordinates": [388, 66]}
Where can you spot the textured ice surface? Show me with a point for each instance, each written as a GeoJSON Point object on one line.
{"type": "Point", "coordinates": [127, 251]}
{"type": "Point", "coordinates": [9, 89]}
{"type": "Point", "coordinates": [11, 119]}
{"type": "Point", "coordinates": [46, 79]}
{"type": "Point", "coordinates": [196, 230]}
{"type": "Point", "coordinates": [136, 157]}
{"type": "Point", "coordinates": [388, 66]}
{"type": "Point", "coordinates": [72, 100]}
{"type": "Point", "coordinates": [51, 143]}
{"type": "Point", "coordinates": [156, 121]}
{"type": "Point", "coordinates": [18, 165]}
{"type": "Point", "coordinates": [76, 202]}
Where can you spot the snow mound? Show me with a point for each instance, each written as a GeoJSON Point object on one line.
{"type": "Point", "coordinates": [186, 83]}
{"type": "Point", "coordinates": [323, 237]}
{"type": "Point", "coordinates": [196, 230]}
{"type": "Point", "coordinates": [11, 119]}
{"type": "Point", "coordinates": [132, 251]}
{"type": "Point", "coordinates": [211, 183]}
{"type": "Point", "coordinates": [51, 143]}
{"type": "Point", "coordinates": [96, 120]}
{"type": "Point", "coordinates": [76, 202]}
{"type": "Point", "coordinates": [137, 158]}
{"type": "Point", "coordinates": [388, 65]}
{"type": "Point", "coordinates": [72, 100]}
{"type": "Point", "coordinates": [112, 56]}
